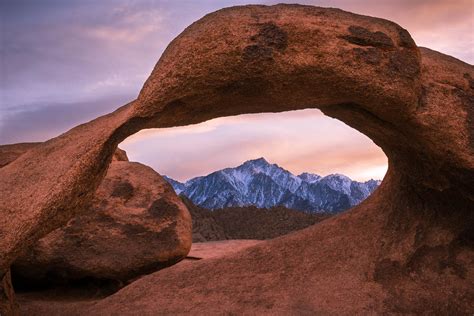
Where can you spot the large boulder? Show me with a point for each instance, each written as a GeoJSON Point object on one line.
{"type": "Point", "coordinates": [412, 237]}
{"type": "Point", "coordinates": [135, 225]}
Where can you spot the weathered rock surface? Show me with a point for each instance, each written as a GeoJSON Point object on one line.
{"type": "Point", "coordinates": [120, 155]}
{"type": "Point", "coordinates": [8, 153]}
{"type": "Point", "coordinates": [413, 238]}
{"type": "Point", "coordinates": [11, 152]}
{"type": "Point", "coordinates": [135, 225]}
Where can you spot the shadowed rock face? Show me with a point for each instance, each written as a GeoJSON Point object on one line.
{"type": "Point", "coordinates": [412, 236]}
{"type": "Point", "coordinates": [135, 225]}
{"type": "Point", "coordinates": [8, 305]}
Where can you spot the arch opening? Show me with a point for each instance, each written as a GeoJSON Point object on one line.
{"type": "Point", "coordinates": [281, 192]}
{"type": "Point", "coordinates": [299, 143]}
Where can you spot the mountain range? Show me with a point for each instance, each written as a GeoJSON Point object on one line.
{"type": "Point", "coordinates": [264, 185]}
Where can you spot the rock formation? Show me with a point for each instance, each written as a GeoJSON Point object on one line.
{"type": "Point", "coordinates": [135, 225]}
{"type": "Point", "coordinates": [412, 238]}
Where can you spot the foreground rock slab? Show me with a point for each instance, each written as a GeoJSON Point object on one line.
{"type": "Point", "coordinates": [60, 302]}
{"type": "Point", "coordinates": [412, 238]}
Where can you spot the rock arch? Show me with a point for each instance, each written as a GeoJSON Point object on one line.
{"type": "Point", "coordinates": [416, 104]}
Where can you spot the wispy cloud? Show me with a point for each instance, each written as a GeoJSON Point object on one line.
{"type": "Point", "coordinates": [127, 24]}
{"type": "Point", "coordinates": [301, 141]}
{"type": "Point", "coordinates": [42, 121]}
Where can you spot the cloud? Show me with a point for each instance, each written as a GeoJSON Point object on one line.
{"type": "Point", "coordinates": [78, 50]}
{"type": "Point", "coordinates": [40, 122]}
{"type": "Point", "coordinates": [126, 24]}
{"type": "Point", "coordinates": [238, 121]}
{"type": "Point", "coordinates": [302, 141]}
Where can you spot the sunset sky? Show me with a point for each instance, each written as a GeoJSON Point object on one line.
{"type": "Point", "coordinates": [66, 62]}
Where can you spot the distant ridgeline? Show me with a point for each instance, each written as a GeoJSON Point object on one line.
{"type": "Point", "coordinates": [264, 185]}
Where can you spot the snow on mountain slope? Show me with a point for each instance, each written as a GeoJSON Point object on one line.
{"type": "Point", "coordinates": [259, 183]}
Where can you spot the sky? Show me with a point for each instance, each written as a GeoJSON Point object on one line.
{"type": "Point", "coordinates": [66, 62]}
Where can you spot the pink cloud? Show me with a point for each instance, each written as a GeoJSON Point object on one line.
{"type": "Point", "coordinates": [302, 141]}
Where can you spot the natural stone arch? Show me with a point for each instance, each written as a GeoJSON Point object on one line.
{"type": "Point", "coordinates": [414, 103]}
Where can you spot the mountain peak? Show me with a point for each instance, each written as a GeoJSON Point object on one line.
{"type": "Point", "coordinates": [256, 165]}
{"type": "Point", "coordinates": [257, 161]}
{"type": "Point", "coordinates": [309, 177]}
{"type": "Point", "coordinates": [177, 186]}
{"type": "Point", "coordinates": [338, 176]}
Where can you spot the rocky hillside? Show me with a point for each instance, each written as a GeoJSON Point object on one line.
{"type": "Point", "coordinates": [264, 185]}
{"type": "Point", "coordinates": [247, 222]}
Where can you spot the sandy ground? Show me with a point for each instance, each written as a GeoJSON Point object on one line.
{"type": "Point", "coordinates": [215, 249]}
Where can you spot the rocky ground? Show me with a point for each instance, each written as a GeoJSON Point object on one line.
{"type": "Point", "coordinates": [247, 222]}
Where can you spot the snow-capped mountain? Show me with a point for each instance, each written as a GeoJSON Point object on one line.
{"type": "Point", "coordinates": [259, 183]}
